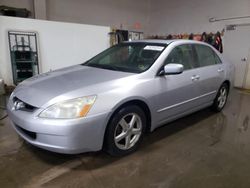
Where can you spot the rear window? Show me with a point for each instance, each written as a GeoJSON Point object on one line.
{"type": "Point", "coordinates": [206, 55]}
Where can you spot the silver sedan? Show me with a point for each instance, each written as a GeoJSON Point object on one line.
{"type": "Point", "coordinates": [110, 101]}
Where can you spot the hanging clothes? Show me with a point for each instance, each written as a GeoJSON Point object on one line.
{"type": "Point", "coordinates": [210, 39]}
{"type": "Point", "coordinates": [204, 37]}
{"type": "Point", "coordinates": [191, 36]}
{"type": "Point", "coordinates": [218, 42]}
{"type": "Point", "coordinates": [169, 37]}
{"type": "Point", "coordinates": [197, 37]}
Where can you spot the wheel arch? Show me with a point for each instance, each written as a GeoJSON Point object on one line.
{"type": "Point", "coordinates": [228, 83]}
{"type": "Point", "coordinates": [132, 101]}
{"type": "Point", "coordinates": [224, 82]}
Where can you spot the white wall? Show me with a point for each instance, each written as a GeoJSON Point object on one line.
{"type": "Point", "coordinates": [61, 44]}
{"type": "Point", "coordinates": [113, 13]}
{"type": "Point", "coordinates": [100, 12]}
{"type": "Point", "coordinates": [40, 9]}
{"type": "Point", "coordinates": [180, 16]}
{"type": "Point", "coordinates": [156, 16]}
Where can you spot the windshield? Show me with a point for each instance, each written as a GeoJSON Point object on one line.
{"type": "Point", "coordinates": [128, 57]}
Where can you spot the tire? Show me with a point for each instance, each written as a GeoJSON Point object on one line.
{"type": "Point", "coordinates": [125, 131]}
{"type": "Point", "coordinates": [221, 98]}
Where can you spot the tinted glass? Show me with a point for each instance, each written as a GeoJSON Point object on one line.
{"type": "Point", "coordinates": [217, 59]}
{"type": "Point", "coordinates": [128, 57]}
{"type": "Point", "coordinates": [183, 55]}
{"type": "Point", "coordinates": [205, 55]}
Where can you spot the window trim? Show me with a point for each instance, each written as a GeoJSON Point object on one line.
{"type": "Point", "coordinates": [215, 55]}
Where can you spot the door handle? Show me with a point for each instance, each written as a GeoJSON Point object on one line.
{"type": "Point", "coordinates": [195, 78]}
{"type": "Point", "coordinates": [220, 70]}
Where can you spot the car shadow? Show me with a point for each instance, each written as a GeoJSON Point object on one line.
{"type": "Point", "coordinates": [178, 125]}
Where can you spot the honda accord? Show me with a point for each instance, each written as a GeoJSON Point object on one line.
{"type": "Point", "coordinates": [110, 101]}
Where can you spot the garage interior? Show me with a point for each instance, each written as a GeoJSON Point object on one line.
{"type": "Point", "coordinates": [205, 149]}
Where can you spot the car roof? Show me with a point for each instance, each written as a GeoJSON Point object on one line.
{"type": "Point", "coordinates": [161, 41]}
{"type": "Point", "coordinates": [155, 41]}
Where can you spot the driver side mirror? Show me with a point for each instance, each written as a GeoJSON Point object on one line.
{"type": "Point", "coordinates": [171, 69]}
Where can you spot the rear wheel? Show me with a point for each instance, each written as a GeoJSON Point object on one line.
{"type": "Point", "coordinates": [221, 98]}
{"type": "Point", "coordinates": [125, 131]}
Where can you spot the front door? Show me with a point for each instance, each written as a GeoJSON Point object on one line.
{"type": "Point", "coordinates": [178, 93]}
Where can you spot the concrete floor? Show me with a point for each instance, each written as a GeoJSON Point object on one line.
{"type": "Point", "coordinates": [202, 150]}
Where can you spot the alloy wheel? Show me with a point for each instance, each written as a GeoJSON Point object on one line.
{"type": "Point", "coordinates": [128, 131]}
{"type": "Point", "coordinates": [222, 97]}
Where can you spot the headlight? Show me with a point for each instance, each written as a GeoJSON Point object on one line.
{"type": "Point", "coordinates": [70, 109]}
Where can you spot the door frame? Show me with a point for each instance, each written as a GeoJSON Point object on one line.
{"type": "Point", "coordinates": [233, 28]}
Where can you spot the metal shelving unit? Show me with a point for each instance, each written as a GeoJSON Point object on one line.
{"type": "Point", "coordinates": [24, 55]}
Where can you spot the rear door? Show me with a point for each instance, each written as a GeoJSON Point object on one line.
{"type": "Point", "coordinates": [211, 72]}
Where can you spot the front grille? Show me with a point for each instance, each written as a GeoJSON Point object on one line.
{"type": "Point", "coordinates": [25, 106]}
{"type": "Point", "coordinates": [29, 134]}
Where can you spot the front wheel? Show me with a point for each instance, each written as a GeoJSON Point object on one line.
{"type": "Point", "coordinates": [221, 98]}
{"type": "Point", "coordinates": [125, 131]}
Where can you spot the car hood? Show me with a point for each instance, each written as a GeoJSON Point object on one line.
{"type": "Point", "coordinates": [40, 89]}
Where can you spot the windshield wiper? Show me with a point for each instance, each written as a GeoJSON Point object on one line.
{"type": "Point", "coordinates": [104, 66]}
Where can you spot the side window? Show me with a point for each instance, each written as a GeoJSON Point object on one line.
{"type": "Point", "coordinates": [182, 54]}
{"type": "Point", "coordinates": [217, 59]}
{"type": "Point", "coordinates": [205, 55]}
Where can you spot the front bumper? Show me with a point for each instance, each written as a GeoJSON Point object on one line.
{"type": "Point", "coordinates": [61, 136]}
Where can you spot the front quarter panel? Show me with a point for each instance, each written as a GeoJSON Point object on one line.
{"type": "Point", "coordinates": [109, 100]}
{"type": "Point", "coordinates": [142, 89]}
